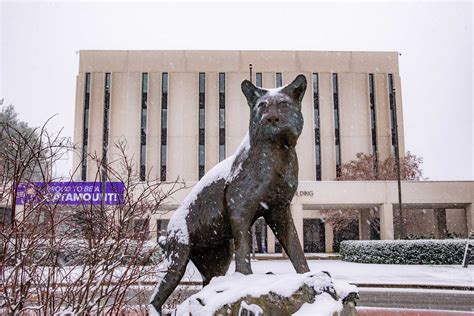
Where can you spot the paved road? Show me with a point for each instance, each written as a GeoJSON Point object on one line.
{"type": "Point", "coordinates": [417, 298]}
{"type": "Point", "coordinates": [455, 300]}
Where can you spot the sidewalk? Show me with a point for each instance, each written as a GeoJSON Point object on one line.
{"type": "Point", "coordinates": [309, 256]}
{"type": "Point", "coordinates": [368, 274]}
{"type": "Point", "coordinates": [375, 311]}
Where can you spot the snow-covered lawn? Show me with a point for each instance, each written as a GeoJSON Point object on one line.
{"type": "Point", "coordinates": [366, 273]}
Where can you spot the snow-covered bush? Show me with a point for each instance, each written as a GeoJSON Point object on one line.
{"type": "Point", "coordinates": [428, 251]}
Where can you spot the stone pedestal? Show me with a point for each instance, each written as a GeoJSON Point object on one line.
{"type": "Point", "coordinates": [269, 294]}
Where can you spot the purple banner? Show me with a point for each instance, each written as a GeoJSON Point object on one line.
{"type": "Point", "coordinates": [71, 193]}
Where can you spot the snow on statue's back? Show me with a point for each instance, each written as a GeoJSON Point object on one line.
{"type": "Point", "coordinates": [177, 227]}
{"type": "Point", "coordinates": [259, 180]}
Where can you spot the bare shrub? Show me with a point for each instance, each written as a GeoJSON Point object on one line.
{"type": "Point", "coordinates": [86, 258]}
{"type": "Point", "coordinates": [366, 168]}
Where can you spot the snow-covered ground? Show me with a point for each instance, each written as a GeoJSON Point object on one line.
{"type": "Point", "coordinates": [366, 273]}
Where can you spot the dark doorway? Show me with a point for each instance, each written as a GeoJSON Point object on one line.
{"type": "Point", "coordinates": [261, 236]}
{"type": "Point", "coordinates": [5, 216]}
{"type": "Point", "coordinates": [278, 248]}
{"type": "Point", "coordinates": [313, 235]}
{"type": "Point", "coordinates": [347, 232]}
{"type": "Point", "coordinates": [161, 226]}
{"type": "Point", "coordinates": [375, 229]}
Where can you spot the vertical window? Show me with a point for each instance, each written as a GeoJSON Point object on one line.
{"type": "Point", "coordinates": [164, 124]}
{"type": "Point", "coordinates": [202, 123]}
{"type": "Point", "coordinates": [373, 119]}
{"type": "Point", "coordinates": [221, 116]}
{"type": "Point", "coordinates": [85, 126]}
{"type": "Point", "coordinates": [105, 128]}
{"type": "Point", "coordinates": [141, 228]}
{"type": "Point", "coordinates": [337, 139]}
{"type": "Point", "coordinates": [278, 80]}
{"type": "Point", "coordinates": [392, 112]}
{"type": "Point", "coordinates": [258, 79]}
{"type": "Point", "coordinates": [161, 225]}
{"type": "Point", "coordinates": [317, 130]}
{"type": "Point", "coordinates": [143, 127]}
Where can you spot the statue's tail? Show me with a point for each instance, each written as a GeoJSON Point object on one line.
{"type": "Point", "coordinates": [171, 272]}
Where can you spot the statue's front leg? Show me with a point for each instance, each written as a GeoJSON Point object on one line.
{"type": "Point", "coordinates": [242, 244]}
{"type": "Point", "coordinates": [282, 225]}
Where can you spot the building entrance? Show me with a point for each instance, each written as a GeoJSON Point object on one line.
{"type": "Point", "coordinates": [313, 235]}
{"type": "Point", "coordinates": [261, 236]}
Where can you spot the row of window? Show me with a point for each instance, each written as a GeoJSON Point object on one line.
{"type": "Point", "coordinates": [143, 125]}
{"type": "Point", "coordinates": [336, 116]}
{"type": "Point", "coordinates": [222, 118]}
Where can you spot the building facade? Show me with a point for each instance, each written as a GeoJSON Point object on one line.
{"type": "Point", "coordinates": [181, 112]}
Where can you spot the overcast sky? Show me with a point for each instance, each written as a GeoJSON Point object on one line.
{"type": "Point", "coordinates": [39, 63]}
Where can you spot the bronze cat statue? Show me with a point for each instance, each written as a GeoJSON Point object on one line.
{"type": "Point", "coordinates": [260, 179]}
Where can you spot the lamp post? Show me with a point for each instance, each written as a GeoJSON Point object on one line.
{"type": "Point", "coordinates": [250, 72]}
{"type": "Point", "coordinates": [397, 160]}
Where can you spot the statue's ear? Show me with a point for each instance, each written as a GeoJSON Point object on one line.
{"type": "Point", "coordinates": [251, 92]}
{"type": "Point", "coordinates": [296, 89]}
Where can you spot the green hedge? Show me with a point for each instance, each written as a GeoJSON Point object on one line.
{"type": "Point", "coordinates": [428, 251]}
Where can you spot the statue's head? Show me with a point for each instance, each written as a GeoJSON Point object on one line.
{"type": "Point", "coordinates": [275, 114]}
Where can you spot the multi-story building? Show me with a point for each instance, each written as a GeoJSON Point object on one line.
{"type": "Point", "coordinates": [181, 112]}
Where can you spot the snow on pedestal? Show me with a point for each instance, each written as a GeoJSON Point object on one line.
{"type": "Point", "coordinates": [312, 293]}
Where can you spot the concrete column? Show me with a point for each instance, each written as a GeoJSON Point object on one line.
{"type": "Point", "coordinates": [153, 145]}
{"type": "Point", "coordinates": [78, 121]}
{"type": "Point", "coordinates": [364, 225]}
{"type": "Point", "coordinates": [212, 120]}
{"type": "Point", "coordinates": [306, 160]}
{"type": "Point", "coordinates": [329, 237]}
{"type": "Point", "coordinates": [398, 100]}
{"type": "Point", "coordinates": [270, 241]}
{"type": "Point", "coordinates": [20, 213]}
{"type": "Point", "coordinates": [183, 106]}
{"type": "Point", "coordinates": [96, 122]}
{"type": "Point", "coordinates": [235, 107]}
{"type": "Point", "coordinates": [384, 143]}
{"type": "Point", "coordinates": [355, 116]}
{"type": "Point", "coordinates": [470, 218]}
{"type": "Point", "coordinates": [442, 229]}
{"type": "Point", "coordinates": [268, 79]}
{"type": "Point", "coordinates": [297, 214]}
{"type": "Point", "coordinates": [326, 108]}
{"type": "Point", "coordinates": [153, 229]}
{"type": "Point", "coordinates": [386, 222]}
